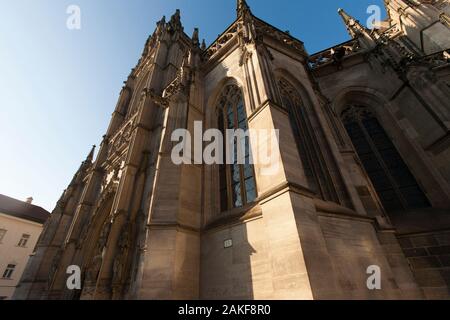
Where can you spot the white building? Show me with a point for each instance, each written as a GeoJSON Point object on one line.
{"type": "Point", "coordinates": [21, 224]}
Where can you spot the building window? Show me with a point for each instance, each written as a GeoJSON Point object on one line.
{"type": "Point", "coordinates": [2, 234]}
{"type": "Point", "coordinates": [24, 240]}
{"type": "Point", "coordinates": [237, 180]}
{"type": "Point", "coordinates": [294, 105]}
{"type": "Point", "coordinates": [395, 184]}
{"type": "Point", "coordinates": [7, 274]}
{"type": "Point", "coordinates": [307, 137]}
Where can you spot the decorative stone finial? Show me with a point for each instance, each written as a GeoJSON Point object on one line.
{"type": "Point", "coordinates": [353, 26]}
{"type": "Point", "coordinates": [195, 38]}
{"type": "Point", "coordinates": [175, 22]}
{"type": "Point", "coordinates": [90, 156]}
{"type": "Point", "coordinates": [242, 7]}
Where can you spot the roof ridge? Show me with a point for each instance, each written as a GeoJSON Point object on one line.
{"type": "Point", "coordinates": [22, 210]}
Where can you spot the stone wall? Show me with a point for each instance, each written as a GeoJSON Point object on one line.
{"type": "Point", "coordinates": [428, 255]}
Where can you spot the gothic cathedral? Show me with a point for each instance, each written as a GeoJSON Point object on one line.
{"type": "Point", "coordinates": [363, 179]}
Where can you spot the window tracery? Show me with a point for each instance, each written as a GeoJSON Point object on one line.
{"type": "Point", "coordinates": [237, 180]}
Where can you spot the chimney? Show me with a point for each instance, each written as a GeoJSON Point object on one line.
{"type": "Point", "coordinates": [29, 200]}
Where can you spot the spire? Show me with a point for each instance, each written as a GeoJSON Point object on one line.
{"type": "Point", "coordinates": [175, 22]}
{"type": "Point", "coordinates": [90, 156]}
{"type": "Point", "coordinates": [203, 46]}
{"type": "Point", "coordinates": [162, 21]}
{"type": "Point", "coordinates": [195, 38]}
{"type": "Point", "coordinates": [365, 37]}
{"type": "Point", "coordinates": [85, 165]}
{"type": "Point", "coordinates": [353, 26]}
{"type": "Point", "coordinates": [242, 8]}
{"type": "Point", "coordinates": [160, 26]}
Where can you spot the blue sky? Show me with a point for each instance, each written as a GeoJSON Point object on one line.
{"type": "Point", "coordinates": [58, 87]}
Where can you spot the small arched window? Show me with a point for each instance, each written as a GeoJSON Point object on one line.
{"type": "Point", "coordinates": [237, 180]}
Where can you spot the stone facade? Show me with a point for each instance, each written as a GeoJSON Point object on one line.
{"type": "Point", "coordinates": [364, 174]}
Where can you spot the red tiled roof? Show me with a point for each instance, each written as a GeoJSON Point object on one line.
{"type": "Point", "coordinates": [23, 210]}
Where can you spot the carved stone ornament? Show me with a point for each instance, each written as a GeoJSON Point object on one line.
{"type": "Point", "coordinates": [121, 139]}
{"type": "Point", "coordinates": [221, 41]}
{"type": "Point", "coordinates": [123, 247]}
{"type": "Point", "coordinates": [335, 54]}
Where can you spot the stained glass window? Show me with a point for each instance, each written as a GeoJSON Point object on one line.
{"type": "Point", "coordinates": [237, 180]}
{"type": "Point", "coordinates": [395, 184]}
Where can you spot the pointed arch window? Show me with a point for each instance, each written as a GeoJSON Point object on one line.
{"type": "Point", "coordinates": [237, 180]}
{"type": "Point", "coordinates": [314, 165]}
{"type": "Point", "coordinates": [395, 184]}
{"type": "Point", "coordinates": [294, 105]}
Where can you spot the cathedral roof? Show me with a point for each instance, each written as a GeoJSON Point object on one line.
{"type": "Point", "coordinates": [261, 29]}
{"type": "Point", "coordinates": [23, 210]}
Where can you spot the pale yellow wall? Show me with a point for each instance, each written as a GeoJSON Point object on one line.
{"type": "Point", "coordinates": [11, 253]}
